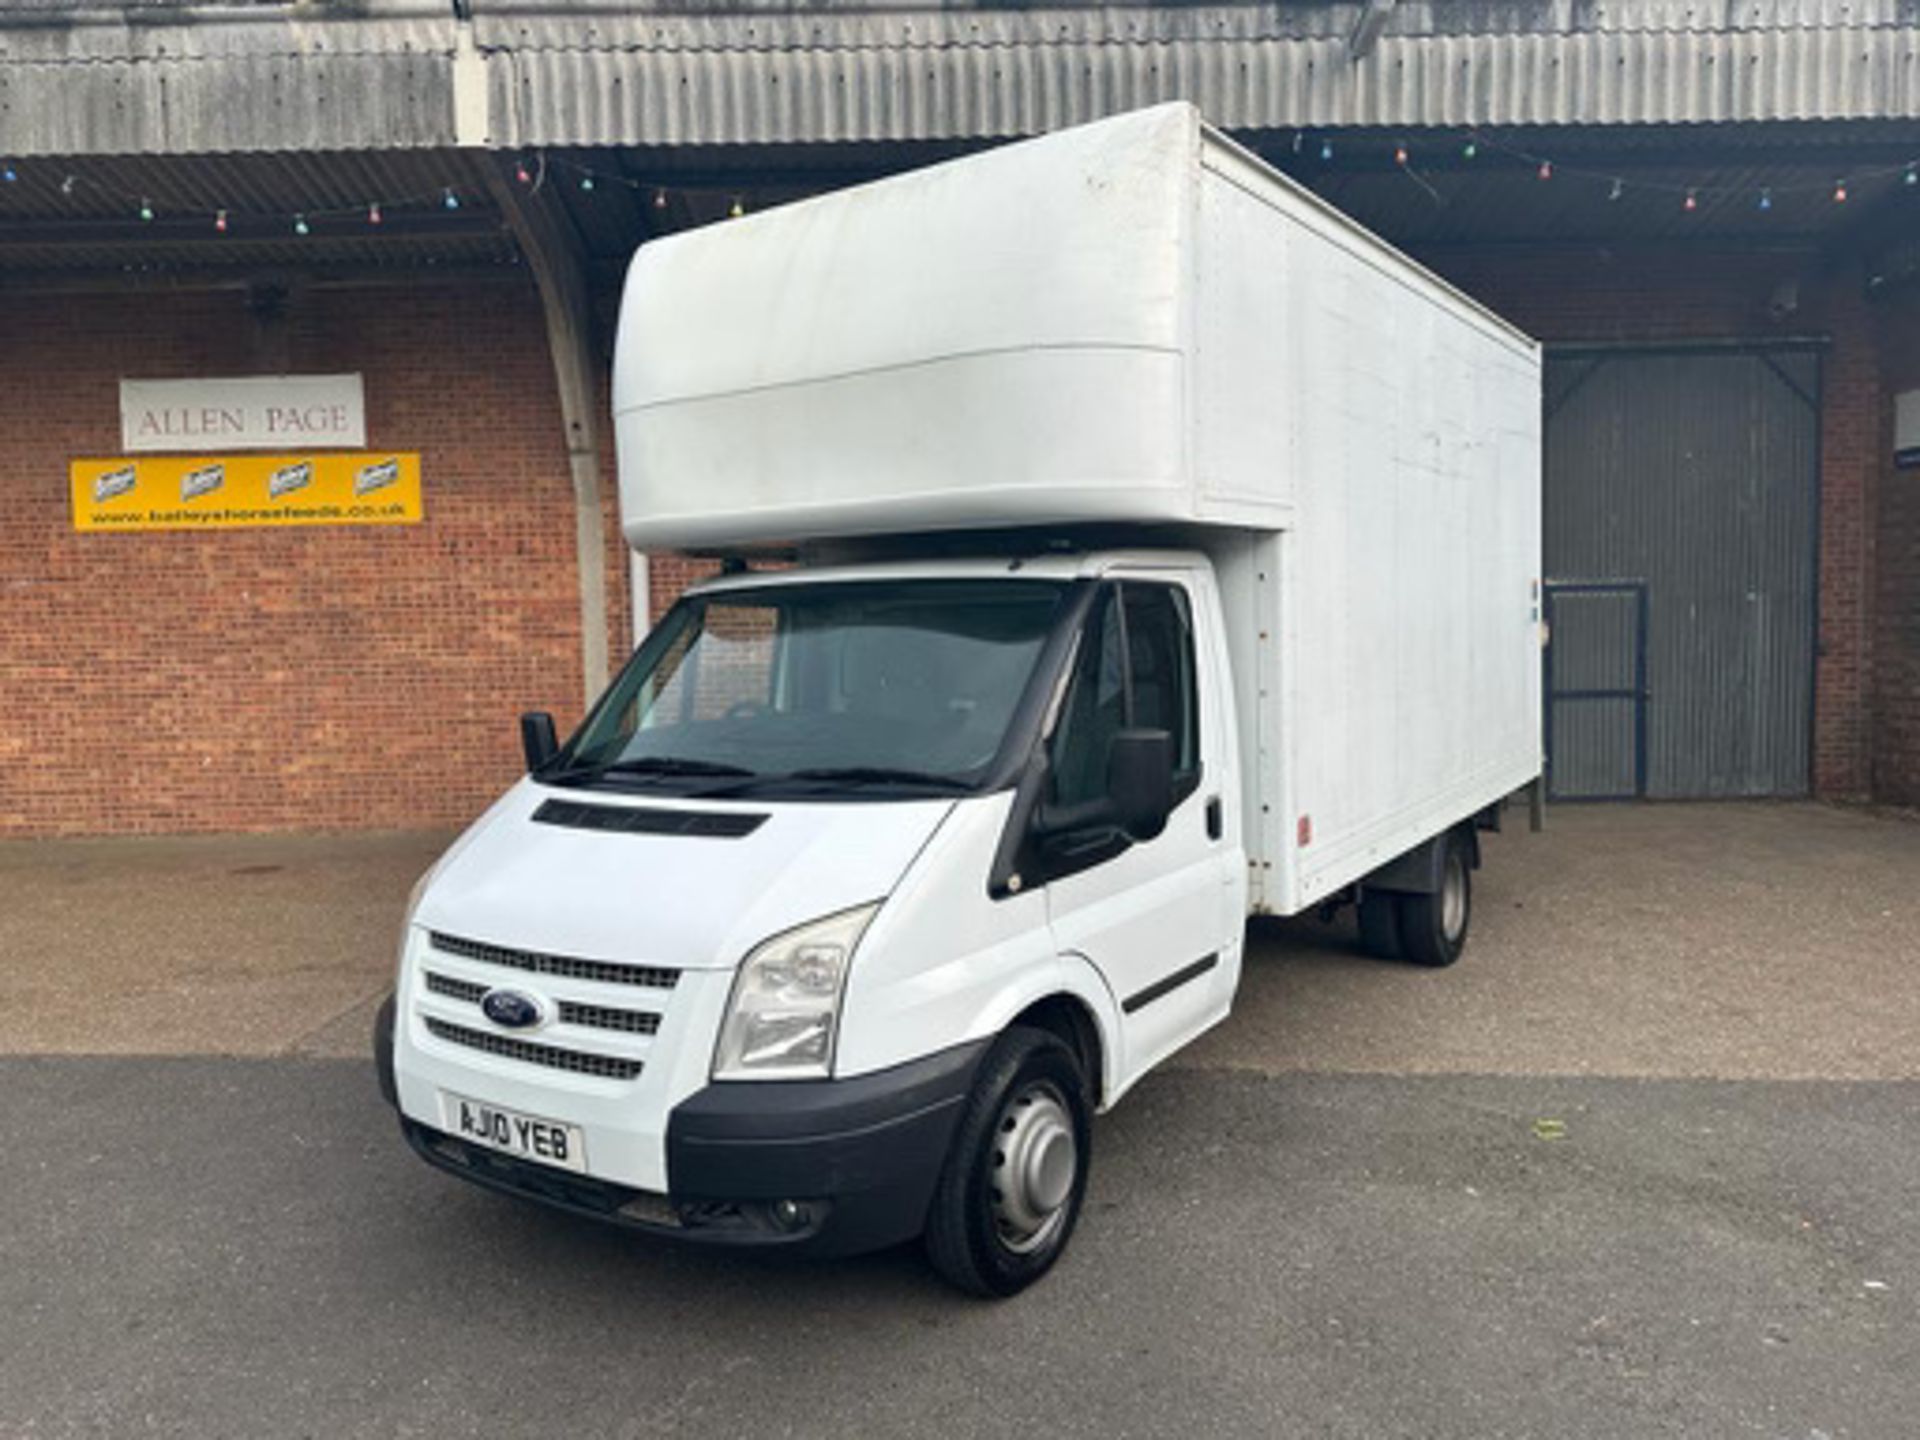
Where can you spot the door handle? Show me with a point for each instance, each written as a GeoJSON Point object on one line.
{"type": "Point", "coordinates": [1215, 821]}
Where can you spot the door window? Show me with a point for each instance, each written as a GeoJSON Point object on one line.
{"type": "Point", "coordinates": [1135, 671]}
{"type": "Point", "coordinates": [1160, 661]}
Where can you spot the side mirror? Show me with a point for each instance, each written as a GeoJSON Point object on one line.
{"type": "Point", "coordinates": [537, 739]}
{"type": "Point", "coordinates": [1140, 781]}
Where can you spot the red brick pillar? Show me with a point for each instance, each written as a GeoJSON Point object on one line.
{"type": "Point", "coordinates": [1850, 450]}
{"type": "Point", "coordinates": [1895, 715]}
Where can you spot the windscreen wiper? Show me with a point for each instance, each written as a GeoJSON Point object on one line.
{"type": "Point", "coordinates": [672, 765]}
{"type": "Point", "coordinates": [661, 765]}
{"type": "Point", "coordinates": [876, 775]}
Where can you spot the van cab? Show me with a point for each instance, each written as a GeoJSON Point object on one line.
{"type": "Point", "coordinates": [835, 848]}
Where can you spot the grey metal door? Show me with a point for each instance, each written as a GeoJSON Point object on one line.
{"type": "Point", "coordinates": [1596, 678]}
{"type": "Point", "coordinates": [1694, 473]}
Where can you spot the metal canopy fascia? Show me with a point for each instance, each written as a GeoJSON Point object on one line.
{"type": "Point", "coordinates": [914, 75]}
{"type": "Point", "coordinates": [398, 74]}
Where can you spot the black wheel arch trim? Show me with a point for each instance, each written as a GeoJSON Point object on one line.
{"type": "Point", "coordinates": [1422, 870]}
{"type": "Point", "coordinates": [383, 1023]}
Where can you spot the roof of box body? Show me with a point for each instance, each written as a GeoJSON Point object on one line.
{"type": "Point", "coordinates": [167, 77]}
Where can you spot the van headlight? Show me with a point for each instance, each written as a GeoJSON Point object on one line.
{"type": "Point", "coordinates": [784, 1014]}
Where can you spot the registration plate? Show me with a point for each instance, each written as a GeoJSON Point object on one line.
{"type": "Point", "coordinates": [547, 1142]}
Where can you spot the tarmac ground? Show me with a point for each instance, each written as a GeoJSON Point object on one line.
{"type": "Point", "coordinates": [1644, 1163]}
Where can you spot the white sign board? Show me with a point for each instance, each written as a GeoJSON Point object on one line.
{"type": "Point", "coordinates": [255, 412]}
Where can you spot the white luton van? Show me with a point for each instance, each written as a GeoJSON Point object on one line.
{"type": "Point", "coordinates": [1157, 547]}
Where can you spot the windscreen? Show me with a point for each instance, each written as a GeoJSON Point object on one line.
{"type": "Point", "coordinates": [908, 683]}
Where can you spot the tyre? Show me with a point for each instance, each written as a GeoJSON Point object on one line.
{"type": "Point", "coordinates": [1433, 928]}
{"type": "Point", "coordinates": [1380, 923]}
{"type": "Point", "coordinates": [1008, 1197]}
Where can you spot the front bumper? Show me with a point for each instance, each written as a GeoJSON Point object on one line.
{"type": "Point", "coordinates": [829, 1167]}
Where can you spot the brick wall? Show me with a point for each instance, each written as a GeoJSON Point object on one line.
{"type": "Point", "coordinates": [302, 678]}
{"type": "Point", "coordinates": [670, 574]}
{"type": "Point", "coordinates": [1651, 297]}
{"type": "Point", "coordinates": [344, 677]}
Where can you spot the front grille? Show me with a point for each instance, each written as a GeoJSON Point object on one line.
{"type": "Point", "coordinates": [604, 1017]}
{"type": "Point", "coordinates": [653, 977]}
{"type": "Point", "coordinates": [458, 989]}
{"type": "Point", "coordinates": [580, 1062]}
{"type": "Point", "coordinates": [598, 1017]}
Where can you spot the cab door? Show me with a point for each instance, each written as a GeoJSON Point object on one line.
{"type": "Point", "coordinates": [1158, 918]}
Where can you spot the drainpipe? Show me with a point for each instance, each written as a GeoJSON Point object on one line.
{"type": "Point", "coordinates": [1367, 26]}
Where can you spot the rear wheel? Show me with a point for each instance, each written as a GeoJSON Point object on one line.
{"type": "Point", "coordinates": [1008, 1198]}
{"type": "Point", "coordinates": [1380, 923]}
{"type": "Point", "coordinates": [1433, 928]}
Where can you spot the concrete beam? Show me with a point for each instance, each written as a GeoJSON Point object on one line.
{"type": "Point", "coordinates": [196, 232]}
{"type": "Point", "coordinates": [556, 257]}
{"type": "Point", "coordinates": [145, 279]}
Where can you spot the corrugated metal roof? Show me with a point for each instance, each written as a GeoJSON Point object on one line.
{"type": "Point", "coordinates": [1290, 18]}
{"type": "Point", "coordinates": [635, 78]}
{"type": "Point", "coordinates": [230, 78]}
{"type": "Point", "coordinates": [588, 73]}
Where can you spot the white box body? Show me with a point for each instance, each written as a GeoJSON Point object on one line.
{"type": "Point", "coordinates": [1136, 325]}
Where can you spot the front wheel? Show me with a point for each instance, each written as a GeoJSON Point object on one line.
{"type": "Point", "coordinates": [1007, 1200]}
{"type": "Point", "coordinates": [1433, 928]}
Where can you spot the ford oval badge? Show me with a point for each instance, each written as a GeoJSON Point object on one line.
{"type": "Point", "coordinates": [510, 1008]}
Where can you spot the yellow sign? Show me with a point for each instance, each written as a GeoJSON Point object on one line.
{"type": "Point", "coordinates": [207, 492]}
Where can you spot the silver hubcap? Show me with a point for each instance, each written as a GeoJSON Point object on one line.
{"type": "Point", "coordinates": [1035, 1162]}
{"type": "Point", "coordinates": [1453, 899]}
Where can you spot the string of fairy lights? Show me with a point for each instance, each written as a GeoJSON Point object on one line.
{"type": "Point", "coordinates": [533, 172]}
{"type": "Point", "coordinates": [536, 171]}
{"type": "Point", "coordinates": [1616, 187]}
